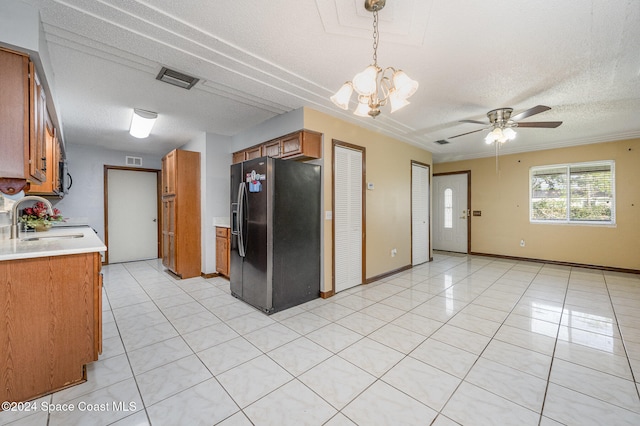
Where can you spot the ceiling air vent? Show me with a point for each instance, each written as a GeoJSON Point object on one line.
{"type": "Point", "coordinates": [442, 142]}
{"type": "Point", "coordinates": [133, 161]}
{"type": "Point", "coordinates": [176, 78]}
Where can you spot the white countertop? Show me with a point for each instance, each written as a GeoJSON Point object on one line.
{"type": "Point", "coordinates": [222, 221]}
{"type": "Point", "coordinates": [55, 242]}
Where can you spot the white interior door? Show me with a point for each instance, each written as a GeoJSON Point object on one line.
{"type": "Point", "coordinates": [450, 213]}
{"type": "Point", "coordinates": [347, 217]}
{"type": "Point", "coordinates": [132, 215]}
{"type": "Point", "coordinates": [419, 213]}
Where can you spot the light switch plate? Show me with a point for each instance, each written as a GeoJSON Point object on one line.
{"type": "Point", "coordinates": [328, 215]}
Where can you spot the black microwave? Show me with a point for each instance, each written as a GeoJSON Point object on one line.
{"type": "Point", "coordinates": [65, 178]}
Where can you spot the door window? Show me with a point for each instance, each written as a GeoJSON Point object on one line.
{"type": "Point", "coordinates": [448, 208]}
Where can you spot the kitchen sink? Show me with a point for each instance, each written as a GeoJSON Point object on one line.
{"type": "Point", "coordinates": [52, 237]}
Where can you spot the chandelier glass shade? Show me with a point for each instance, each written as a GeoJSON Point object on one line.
{"type": "Point", "coordinates": [376, 86]}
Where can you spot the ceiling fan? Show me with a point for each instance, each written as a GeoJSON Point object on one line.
{"type": "Point", "coordinates": [501, 123]}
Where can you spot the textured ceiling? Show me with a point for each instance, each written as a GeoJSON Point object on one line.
{"type": "Point", "coordinates": [260, 59]}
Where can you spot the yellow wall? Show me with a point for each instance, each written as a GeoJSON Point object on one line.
{"type": "Point", "coordinates": [388, 206]}
{"type": "Point", "coordinates": [504, 201]}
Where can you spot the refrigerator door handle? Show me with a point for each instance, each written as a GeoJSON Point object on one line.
{"type": "Point", "coordinates": [242, 190]}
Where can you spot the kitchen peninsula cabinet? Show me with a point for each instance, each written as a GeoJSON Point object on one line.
{"type": "Point", "coordinates": [51, 322]}
{"type": "Point", "coordinates": [181, 213]}
{"type": "Point", "coordinates": [301, 145]}
{"type": "Point", "coordinates": [22, 114]}
{"type": "Point", "coordinates": [222, 250]}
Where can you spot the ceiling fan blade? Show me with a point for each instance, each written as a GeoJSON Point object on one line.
{"type": "Point", "coordinates": [529, 112]}
{"type": "Point", "coordinates": [468, 133]}
{"type": "Point", "coordinates": [545, 124]}
{"type": "Point", "coordinates": [473, 122]}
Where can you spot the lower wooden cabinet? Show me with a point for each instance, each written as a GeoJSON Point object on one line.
{"type": "Point", "coordinates": [52, 323]}
{"type": "Point", "coordinates": [222, 250]}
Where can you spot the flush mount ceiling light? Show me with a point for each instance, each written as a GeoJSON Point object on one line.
{"type": "Point", "coordinates": [375, 86]}
{"type": "Point", "coordinates": [142, 122]}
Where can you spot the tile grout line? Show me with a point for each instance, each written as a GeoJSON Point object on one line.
{"type": "Point", "coordinates": [491, 339]}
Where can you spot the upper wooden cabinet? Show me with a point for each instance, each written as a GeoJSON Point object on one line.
{"type": "Point", "coordinates": [255, 152]}
{"type": "Point", "coordinates": [52, 184]}
{"type": "Point", "coordinates": [272, 149]}
{"type": "Point", "coordinates": [301, 145]}
{"type": "Point", "coordinates": [239, 157]}
{"type": "Point", "coordinates": [22, 114]}
{"type": "Point", "coordinates": [37, 128]}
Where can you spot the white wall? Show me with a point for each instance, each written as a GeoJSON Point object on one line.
{"type": "Point", "coordinates": [218, 179]}
{"type": "Point", "coordinates": [86, 197]}
{"type": "Point", "coordinates": [215, 159]}
{"type": "Point", "coordinates": [277, 126]}
{"type": "Point", "coordinates": [19, 25]}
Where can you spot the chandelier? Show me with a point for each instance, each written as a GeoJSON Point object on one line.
{"type": "Point", "coordinates": [376, 86]}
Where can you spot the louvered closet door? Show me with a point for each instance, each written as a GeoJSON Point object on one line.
{"type": "Point", "coordinates": [419, 213]}
{"type": "Point", "coordinates": [347, 218]}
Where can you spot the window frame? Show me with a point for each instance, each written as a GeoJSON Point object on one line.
{"type": "Point", "coordinates": [567, 220]}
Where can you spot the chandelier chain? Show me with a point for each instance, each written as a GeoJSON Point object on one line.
{"type": "Point", "coordinates": [376, 36]}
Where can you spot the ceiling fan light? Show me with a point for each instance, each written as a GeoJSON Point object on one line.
{"type": "Point", "coordinates": [365, 82]}
{"type": "Point", "coordinates": [494, 135]}
{"type": "Point", "coordinates": [343, 96]}
{"type": "Point", "coordinates": [509, 133]}
{"type": "Point", "coordinates": [363, 107]}
{"type": "Point", "coordinates": [404, 85]}
{"type": "Point", "coordinates": [397, 100]}
{"type": "Point", "coordinates": [141, 123]}
{"type": "Point", "coordinates": [490, 138]}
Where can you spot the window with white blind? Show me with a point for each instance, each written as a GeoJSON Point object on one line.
{"type": "Point", "coordinates": [573, 193]}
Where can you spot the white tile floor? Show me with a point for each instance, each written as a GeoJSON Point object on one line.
{"type": "Point", "coordinates": [461, 340]}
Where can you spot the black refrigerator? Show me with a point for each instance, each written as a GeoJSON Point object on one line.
{"type": "Point", "coordinates": [275, 233]}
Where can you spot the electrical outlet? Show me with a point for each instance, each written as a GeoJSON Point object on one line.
{"type": "Point", "coordinates": [394, 252]}
{"type": "Point", "coordinates": [521, 243]}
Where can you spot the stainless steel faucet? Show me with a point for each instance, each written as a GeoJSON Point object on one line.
{"type": "Point", "coordinates": [15, 230]}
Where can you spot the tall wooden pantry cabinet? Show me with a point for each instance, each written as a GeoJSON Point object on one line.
{"type": "Point", "coordinates": [181, 213]}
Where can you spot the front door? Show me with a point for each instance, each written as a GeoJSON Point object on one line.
{"type": "Point", "coordinates": [451, 212]}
